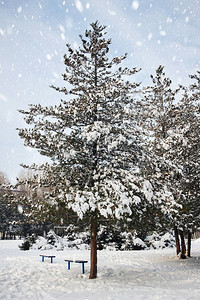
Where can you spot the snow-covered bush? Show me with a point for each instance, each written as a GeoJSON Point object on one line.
{"type": "Point", "coordinates": [156, 241]}
{"type": "Point", "coordinates": [75, 239]}
{"type": "Point", "coordinates": [131, 242]}
{"type": "Point", "coordinates": [108, 239]}
{"type": "Point", "coordinates": [28, 242]}
{"type": "Point", "coordinates": [52, 241]}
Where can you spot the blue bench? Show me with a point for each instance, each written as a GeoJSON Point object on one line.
{"type": "Point", "coordinates": [83, 262]}
{"type": "Point", "coordinates": [48, 256]}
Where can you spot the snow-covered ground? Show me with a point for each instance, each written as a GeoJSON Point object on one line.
{"type": "Point", "coordinates": [149, 274]}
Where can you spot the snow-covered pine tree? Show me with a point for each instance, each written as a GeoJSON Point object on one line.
{"type": "Point", "coordinates": [91, 136]}
{"type": "Point", "coordinates": [174, 129]}
{"type": "Point", "coordinates": [157, 118]}
{"type": "Point", "coordinates": [194, 147]}
{"type": "Point", "coordinates": [188, 149]}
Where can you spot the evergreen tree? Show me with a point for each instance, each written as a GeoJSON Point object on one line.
{"type": "Point", "coordinates": [91, 136]}
{"type": "Point", "coordinates": [174, 139]}
{"type": "Point", "coordinates": [158, 119]}
{"type": "Point", "coordinates": [188, 149]}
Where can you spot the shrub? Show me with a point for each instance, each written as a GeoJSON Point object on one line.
{"type": "Point", "coordinates": [28, 242]}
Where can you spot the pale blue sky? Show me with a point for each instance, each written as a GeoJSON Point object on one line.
{"type": "Point", "coordinates": [33, 35]}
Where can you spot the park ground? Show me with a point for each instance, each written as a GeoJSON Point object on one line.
{"type": "Point", "coordinates": [122, 275]}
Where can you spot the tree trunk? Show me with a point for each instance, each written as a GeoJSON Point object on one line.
{"type": "Point", "coordinates": [93, 255]}
{"type": "Point", "coordinates": [189, 244]}
{"type": "Point", "coordinates": [178, 249]}
{"type": "Point", "coordinates": [183, 248]}
{"type": "Point", "coordinates": [4, 235]}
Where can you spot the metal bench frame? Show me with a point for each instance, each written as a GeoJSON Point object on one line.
{"type": "Point", "coordinates": [48, 256]}
{"type": "Point", "coordinates": [83, 262]}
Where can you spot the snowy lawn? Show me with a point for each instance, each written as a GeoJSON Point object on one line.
{"type": "Point", "coordinates": [149, 274]}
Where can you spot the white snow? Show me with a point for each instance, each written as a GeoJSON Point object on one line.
{"type": "Point", "coordinates": [79, 5]}
{"type": "Point", "coordinates": [2, 31]}
{"type": "Point", "coordinates": [147, 190]}
{"type": "Point", "coordinates": [147, 274]}
{"type": "Point", "coordinates": [20, 209]}
{"type": "Point", "coordinates": [112, 12]}
{"type": "Point", "coordinates": [19, 10]}
{"type": "Point", "coordinates": [187, 19]}
{"type": "Point", "coordinates": [150, 36]}
{"type": "Point", "coordinates": [40, 6]}
{"type": "Point", "coordinates": [3, 98]}
{"type": "Point", "coordinates": [62, 28]}
{"type": "Point", "coordinates": [135, 5]}
{"type": "Point", "coordinates": [162, 33]}
{"type": "Point", "coordinates": [48, 56]}
{"type": "Point", "coordinates": [169, 20]}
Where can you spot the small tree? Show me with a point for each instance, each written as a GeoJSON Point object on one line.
{"type": "Point", "coordinates": [91, 136]}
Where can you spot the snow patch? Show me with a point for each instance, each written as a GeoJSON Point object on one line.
{"type": "Point", "coordinates": [147, 190]}
{"type": "Point", "coordinates": [121, 274]}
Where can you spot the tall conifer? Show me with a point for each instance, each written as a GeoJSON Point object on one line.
{"type": "Point", "coordinates": [91, 136]}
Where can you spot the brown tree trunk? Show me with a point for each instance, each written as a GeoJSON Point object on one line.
{"type": "Point", "coordinates": [189, 244]}
{"type": "Point", "coordinates": [183, 248]}
{"type": "Point", "coordinates": [178, 249]}
{"type": "Point", "coordinates": [93, 254]}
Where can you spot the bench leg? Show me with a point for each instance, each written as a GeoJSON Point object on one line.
{"type": "Point", "coordinates": [83, 269]}
{"type": "Point", "coordinates": [51, 259]}
{"type": "Point", "coordinates": [42, 258]}
{"type": "Point", "coordinates": [68, 265]}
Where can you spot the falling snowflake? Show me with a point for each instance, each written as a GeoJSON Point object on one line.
{"type": "Point", "coordinates": [19, 10]}
{"type": "Point", "coordinates": [162, 33]}
{"type": "Point", "coordinates": [79, 5]}
{"type": "Point", "coordinates": [135, 5]}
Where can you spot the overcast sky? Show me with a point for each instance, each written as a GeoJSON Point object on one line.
{"type": "Point", "coordinates": [33, 35]}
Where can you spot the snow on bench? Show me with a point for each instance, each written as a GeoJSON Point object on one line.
{"type": "Point", "coordinates": [83, 262]}
{"type": "Point", "coordinates": [48, 256]}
